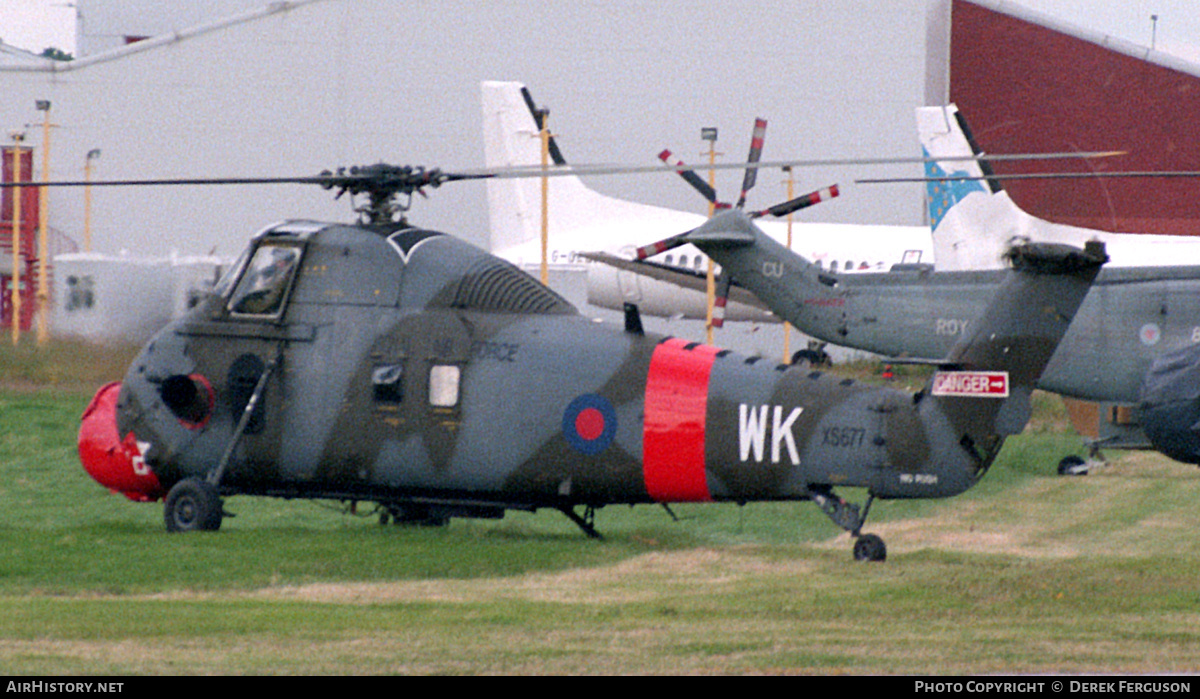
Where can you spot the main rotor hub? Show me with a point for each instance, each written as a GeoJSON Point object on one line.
{"type": "Point", "coordinates": [388, 188]}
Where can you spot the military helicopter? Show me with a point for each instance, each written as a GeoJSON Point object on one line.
{"type": "Point", "coordinates": [382, 362]}
{"type": "Point", "coordinates": [1140, 323]}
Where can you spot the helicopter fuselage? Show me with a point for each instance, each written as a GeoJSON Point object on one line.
{"type": "Point", "coordinates": [453, 382]}
{"type": "Point", "coordinates": [404, 367]}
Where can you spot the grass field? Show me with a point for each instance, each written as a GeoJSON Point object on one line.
{"type": "Point", "coordinates": [1028, 572]}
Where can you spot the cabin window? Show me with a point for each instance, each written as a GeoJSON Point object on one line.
{"type": "Point", "coordinates": [699, 262]}
{"type": "Point", "coordinates": [387, 383]}
{"type": "Point", "coordinates": [265, 283]}
{"type": "Point", "coordinates": [443, 385]}
{"type": "Point", "coordinates": [670, 259]}
{"type": "Point", "coordinates": [833, 266]}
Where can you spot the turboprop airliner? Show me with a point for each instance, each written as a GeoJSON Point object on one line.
{"type": "Point", "coordinates": [581, 219]}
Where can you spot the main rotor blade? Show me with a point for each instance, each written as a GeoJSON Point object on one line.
{"type": "Point", "coordinates": [584, 170]}
{"type": "Point", "coordinates": [182, 181]}
{"type": "Point", "coordinates": [756, 146]}
{"type": "Point", "coordinates": [690, 176]}
{"type": "Point", "coordinates": [801, 202]}
{"type": "Point", "coordinates": [434, 177]}
{"type": "Point", "coordinates": [1039, 176]}
{"type": "Point", "coordinates": [721, 299]}
{"type": "Point", "coordinates": [661, 246]}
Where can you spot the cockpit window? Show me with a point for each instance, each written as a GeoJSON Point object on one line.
{"type": "Point", "coordinates": [225, 283]}
{"type": "Point", "coordinates": [266, 280]}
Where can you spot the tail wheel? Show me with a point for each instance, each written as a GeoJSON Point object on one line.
{"type": "Point", "coordinates": [813, 357]}
{"type": "Point", "coordinates": [193, 504]}
{"type": "Point", "coordinates": [869, 547]}
{"type": "Point", "coordinates": [1072, 465]}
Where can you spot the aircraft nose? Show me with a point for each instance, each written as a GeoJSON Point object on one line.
{"type": "Point", "coordinates": [114, 463]}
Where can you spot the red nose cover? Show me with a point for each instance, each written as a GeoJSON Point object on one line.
{"type": "Point", "coordinates": [674, 429]}
{"type": "Point", "coordinates": [114, 463]}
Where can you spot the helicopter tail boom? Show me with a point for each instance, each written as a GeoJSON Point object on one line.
{"type": "Point", "coordinates": [985, 383]}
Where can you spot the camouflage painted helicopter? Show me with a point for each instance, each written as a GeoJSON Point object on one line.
{"type": "Point", "coordinates": [380, 362]}
{"type": "Point", "coordinates": [1141, 323]}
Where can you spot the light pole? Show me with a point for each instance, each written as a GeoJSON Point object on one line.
{"type": "Point", "coordinates": [93, 154]}
{"type": "Point", "coordinates": [43, 287]}
{"type": "Point", "coordinates": [709, 134]}
{"type": "Point", "coordinates": [15, 289]}
{"type": "Point", "coordinates": [544, 136]}
{"type": "Point", "coordinates": [787, 327]}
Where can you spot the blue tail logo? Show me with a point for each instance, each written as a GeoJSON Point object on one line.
{"type": "Point", "coordinates": [941, 194]}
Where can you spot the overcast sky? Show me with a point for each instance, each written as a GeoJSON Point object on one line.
{"type": "Point", "coordinates": [36, 24]}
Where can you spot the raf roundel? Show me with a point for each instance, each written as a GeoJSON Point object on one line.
{"type": "Point", "coordinates": [589, 424]}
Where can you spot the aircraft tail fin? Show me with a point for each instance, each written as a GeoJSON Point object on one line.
{"type": "Point", "coordinates": [578, 217]}
{"type": "Point", "coordinates": [973, 221]}
{"type": "Point", "coordinates": [511, 129]}
{"type": "Point", "coordinates": [989, 375]}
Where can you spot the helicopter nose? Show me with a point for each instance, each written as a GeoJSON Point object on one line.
{"type": "Point", "coordinates": [114, 463]}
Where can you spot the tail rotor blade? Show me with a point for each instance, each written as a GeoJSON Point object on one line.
{"type": "Point", "coordinates": [801, 202]}
{"type": "Point", "coordinates": [756, 146]}
{"type": "Point", "coordinates": [689, 175]}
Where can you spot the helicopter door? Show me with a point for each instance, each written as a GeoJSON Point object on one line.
{"type": "Point", "coordinates": [417, 380]}
{"type": "Point", "coordinates": [251, 342]}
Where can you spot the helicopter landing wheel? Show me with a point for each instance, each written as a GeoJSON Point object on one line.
{"type": "Point", "coordinates": [1072, 465]}
{"type": "Point", "coordinates": [193, 504]}
{"type": "Point", "coordinates": [413, 515]}
{"type": "Point", "coordinates": [869, 547]}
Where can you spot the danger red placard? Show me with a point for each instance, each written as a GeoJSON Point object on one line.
{"type": "Point", "coordinates": [986, 384]}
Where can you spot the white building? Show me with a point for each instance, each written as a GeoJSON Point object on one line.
{"type": "Point", "coordinates": [121, 298]}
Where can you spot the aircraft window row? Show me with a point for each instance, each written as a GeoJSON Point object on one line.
{"type": "Point", "coordinates": [848, 266]}
{"type": "Point", "coordinates": [695, 262]}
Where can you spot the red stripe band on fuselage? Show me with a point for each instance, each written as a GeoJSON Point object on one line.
{"type": "Point", "coordinates": [674, 429]}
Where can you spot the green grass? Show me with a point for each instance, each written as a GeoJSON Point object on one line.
{"type": "Point", "coordinates": [1027, 572]}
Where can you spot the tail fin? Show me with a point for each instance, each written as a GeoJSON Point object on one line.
{"type": "Point", "coordinates": [989, 376]}
{"type": "Point", "coordinates": [584, 217]}
{"type": "Point", "coordinates": [973, 221]}
{"type": "Point", "coordinates": [511, 128]}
